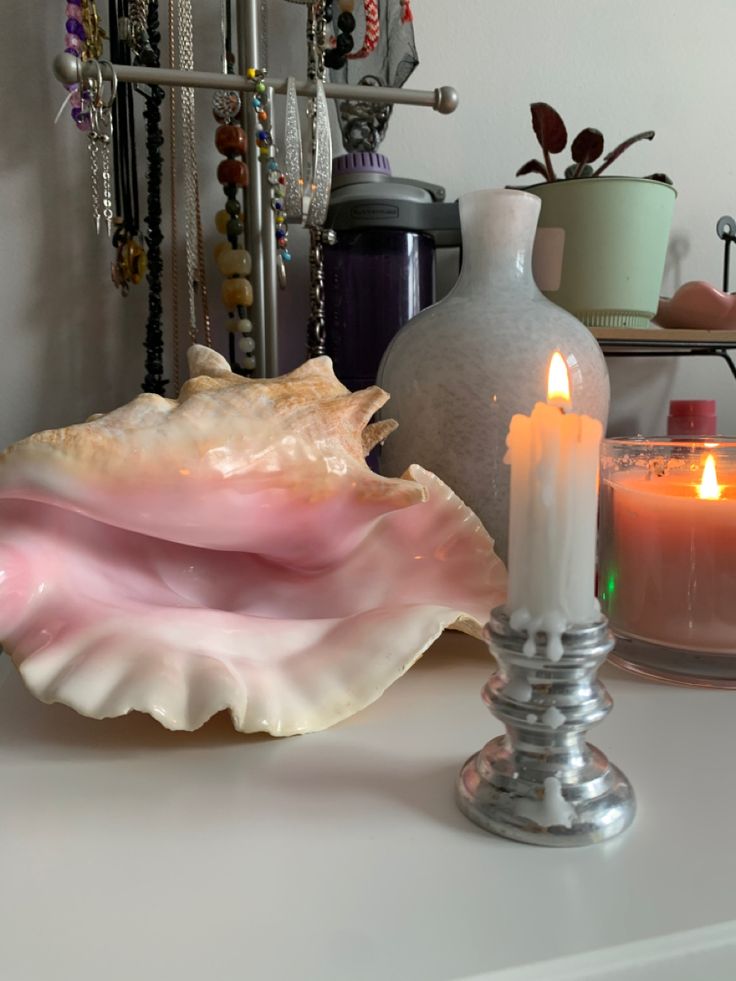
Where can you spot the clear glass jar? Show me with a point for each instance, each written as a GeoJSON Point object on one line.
{"type": "Point", "coordinates": [667, 567]}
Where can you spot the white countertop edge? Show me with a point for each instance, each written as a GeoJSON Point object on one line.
{"type": "Point", "coordinates": [712, 948]}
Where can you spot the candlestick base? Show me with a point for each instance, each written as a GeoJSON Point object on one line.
{"type": "Point", "coordinates": [542, 783]}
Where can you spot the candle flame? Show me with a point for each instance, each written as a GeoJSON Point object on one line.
{"type": "Point", "coordinates": [709, 489]}
{"type": "Point", "coordinates": [558, 381]}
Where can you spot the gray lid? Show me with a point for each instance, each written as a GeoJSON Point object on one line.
{"type": "Point", "coordinates": [365, 195]}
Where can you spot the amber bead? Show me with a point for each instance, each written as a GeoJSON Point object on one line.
{"type": "Point", "coordinates": [220, 248]}
{"type": "Point", "coordinates": [237, 293]}
{"type": "Point", "coordinates": [234, 262]}
{"type": "Point", "coordinates": [221, 220]}
{"type": "Point", "coordinates": [233, 172]}
{"type": "Point", "coordinates": [231, 141]}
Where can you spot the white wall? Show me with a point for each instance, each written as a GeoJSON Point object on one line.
{"type": "Point", "coordinates": [71, 345]}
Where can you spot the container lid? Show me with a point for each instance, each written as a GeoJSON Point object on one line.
{"type": "Point", "coordinates": [366, 196]}
{"type": "Point", "coordinates": [693, 407]}
{"type": "Point", "coordinates": [361, 162]}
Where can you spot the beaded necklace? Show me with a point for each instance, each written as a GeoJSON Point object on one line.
{"type": "Point", "coordinates": [233, 261]}
{"type": "Point", "coordinates": [267, 158]}
{"type": "Point", "coordinates": [146, 35]}
{"type": "Point", "coordinates": [343, 42]}
{"type": "Point", "coordinates": [84, 38]}
{"type": "Point", "coordinates": [129, 268]}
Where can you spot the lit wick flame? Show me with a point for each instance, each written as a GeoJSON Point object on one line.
{"type": "Point", "coordinates": [558, 382]}
{"type": "Point", "coordinates": [709, 489]}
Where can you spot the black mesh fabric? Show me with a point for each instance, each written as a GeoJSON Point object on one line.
{"type": "Point", "coordinates": [364, 124]}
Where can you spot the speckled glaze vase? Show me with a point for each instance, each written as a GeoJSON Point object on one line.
{"type": "Point", "coordinates": [458, 371]}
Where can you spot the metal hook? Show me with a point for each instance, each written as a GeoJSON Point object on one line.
{"type": "Point", "coordinates": [94, 83]}
{"type": "Point", "coordinates": [726, 230]}
{"type": "Point", "coordinates": [113, 83]}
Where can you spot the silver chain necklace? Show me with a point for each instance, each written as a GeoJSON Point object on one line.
{"type": "Point", "coordinates": [193, 236]}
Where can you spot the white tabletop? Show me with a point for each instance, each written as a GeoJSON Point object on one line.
{"type": "Point", "coordinates": [128, 852]}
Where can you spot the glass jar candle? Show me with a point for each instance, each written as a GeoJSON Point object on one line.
{"type": "Point", "coordinates": [667, 565]}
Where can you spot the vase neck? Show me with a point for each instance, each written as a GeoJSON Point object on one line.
{"type": "Point", "coordinates": [498, 228]}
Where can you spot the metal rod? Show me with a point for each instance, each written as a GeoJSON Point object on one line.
{"type": "Point", "coordinates": [722, 352]}
{"type": "Point", "coordinates": [729, 361]}
{"type": "Point", "coordinates": [248, 54]}
{"type": "Point", "coordinates": [660, 348]}
{"type": "Point", "coordinates": [726, 262]}
{"type": "Point", "coordinates": [443, 100]}
{"type": "Point", "coordinates": [249, 34]}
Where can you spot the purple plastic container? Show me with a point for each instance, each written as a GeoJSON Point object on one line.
{"type": "Point", "coordinates": [375, 281]}
{"type": "Point", "coordinates": [381, 271]}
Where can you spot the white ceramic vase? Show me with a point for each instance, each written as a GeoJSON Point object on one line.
{"type": "Point", "coordinates": [458, 371]}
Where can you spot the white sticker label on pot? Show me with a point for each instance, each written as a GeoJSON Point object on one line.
{"type": "Point", "coordinates": [549, 248]}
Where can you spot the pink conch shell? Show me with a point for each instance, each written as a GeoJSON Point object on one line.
{"type": "Point", "coordinates": [697, 305]}
{"type": "Point", "coordinates": [230, 550]}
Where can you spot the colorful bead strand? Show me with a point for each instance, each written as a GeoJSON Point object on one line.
{"type": "Point", "coordinates": [267, 157]}
{"type": "Point", "coordinates": [234, 261]}
{"type": "Point", "coordinates": [76, 36]}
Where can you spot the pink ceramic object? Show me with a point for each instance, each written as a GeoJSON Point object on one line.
{"type": "Point", "coordinates": [697, 305]}
{"type": "Point", "coordinates": [230, 550]}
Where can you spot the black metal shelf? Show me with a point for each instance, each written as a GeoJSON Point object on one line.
{"type": "Point", "coordinates": [658, 343]}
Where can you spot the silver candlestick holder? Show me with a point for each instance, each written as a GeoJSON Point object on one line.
{"type": "Point", "coordinates": [542, 783]}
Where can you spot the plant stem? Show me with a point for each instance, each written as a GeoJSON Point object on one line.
{"type": "Point", "coordinates": [551, 176]}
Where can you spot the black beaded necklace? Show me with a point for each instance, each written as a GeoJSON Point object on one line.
{"type": "Point", "coordinates": [154, 96]}
{"type": "Point", "coordinates": [336, 57]}
{"type": "Point", "coordinates": [129, 266]}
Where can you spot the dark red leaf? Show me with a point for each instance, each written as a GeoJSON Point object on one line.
{"type": "Point", "coordinates": [533, 167]}
{"type": "Point", "coordinates": [548, 128]}
{"type": "Point", "coordinates": [617, 151]}
{"type": "Point", "coordinates": [587, 146]}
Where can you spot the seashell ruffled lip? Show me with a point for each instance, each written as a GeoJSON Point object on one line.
{"type": "Point", "coordinates": [230, 550]}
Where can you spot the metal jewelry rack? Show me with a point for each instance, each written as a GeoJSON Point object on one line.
{"type": "Point", "coordinates": [264, 312]}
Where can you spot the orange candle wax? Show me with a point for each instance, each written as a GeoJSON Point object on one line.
{"type": "Point", "coordinates": [668, 555]}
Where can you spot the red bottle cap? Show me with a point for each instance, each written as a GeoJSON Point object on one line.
{"type": "Point", "coordinates": [692, 417]}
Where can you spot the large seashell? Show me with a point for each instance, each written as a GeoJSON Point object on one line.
{"type": "Point", "coordinates": [230, 550]}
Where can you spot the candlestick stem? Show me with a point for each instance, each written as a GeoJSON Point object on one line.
{"type": "Point", "coordinates": [542, 783]}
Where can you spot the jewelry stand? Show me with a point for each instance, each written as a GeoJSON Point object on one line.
{"type": "Point", "coordinates": [542, 783]}
{"type": "Point", "coordinates": [264, 312]}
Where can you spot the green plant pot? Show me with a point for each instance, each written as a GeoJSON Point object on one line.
{"type": "Point", "coordinates": [602, 245]}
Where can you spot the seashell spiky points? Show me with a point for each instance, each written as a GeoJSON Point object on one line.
{"type": "Point", "coordinates": [230, 549]}
{"type": "Point", "coordinates": [308, 403]}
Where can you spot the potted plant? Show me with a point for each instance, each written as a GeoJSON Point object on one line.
{"type": "Point", "coordinates": [602, 240]}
